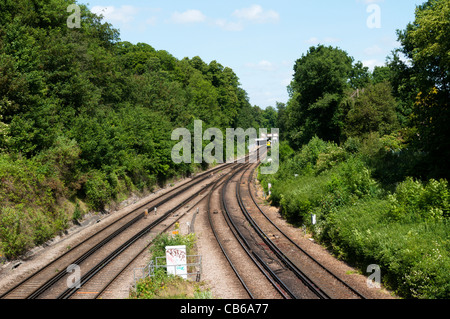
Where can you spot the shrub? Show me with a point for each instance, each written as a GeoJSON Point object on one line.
{"type": "Point", "coordinates": [298, 197]}
{"type": "Point", "coordinates": [403, 229]}
{"type": "Point", "coordinates": [41, 227]}
{"type": "Point", "coordinates": [331, 157]}
{"type": "Point", "coordinates": [414, 257]}
{"type": "Point", "coordinates": [415, 202]}
{"type": "Point", "coordinates": [98, 190]}
{"type": "Point", "coordinates": [356, 178]}
{"type": "Point", "coordinates": [77, 213]}
{"type": "Point", "coordinates": [286, 152]}
{"type": "Point", "coordinates": [14, 236]}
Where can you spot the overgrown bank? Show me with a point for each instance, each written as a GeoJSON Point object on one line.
{"type": "Point", "coordinates": [404, 229]}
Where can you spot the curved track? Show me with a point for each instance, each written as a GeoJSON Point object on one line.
{"type": "Point", "coordinates": [320, 280]}
{"type": "Point", "coordinates": [267, 263]}
{"type": "Point", "coordinates": [254, 278]}
{"type": "Point", "coordinates": [98, 250]}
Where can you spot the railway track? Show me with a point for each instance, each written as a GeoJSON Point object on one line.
{"type": "Point", "coordinates": [255, 280]}
{"type": "Point", "coordinates": [97, 280]}
{"type": "Point", "coordinates": [97, 251]}
{"type": "Point", "coordinates": [293, 286]}
{"type": "Point", "coordinates": [266, 262]}
{"type": "Point", "coordinates": [320, 280]}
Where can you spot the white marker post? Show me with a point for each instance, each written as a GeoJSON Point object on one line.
{"type": "Point", "coordinates": [313, 219]}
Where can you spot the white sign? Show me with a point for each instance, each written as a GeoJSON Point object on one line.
{"type": "Point", "coordinates": [176, 261]}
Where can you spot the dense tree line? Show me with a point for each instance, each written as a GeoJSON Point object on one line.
{"type": "Point", "coordinates": [335, 98]}
{"type": "Point", "coordinates": [367, 153]}
{"type": "Point", "coordinates": [86, 118]}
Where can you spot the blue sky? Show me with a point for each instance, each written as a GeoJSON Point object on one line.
{"type": "Point", "coordinates": [261, 39]}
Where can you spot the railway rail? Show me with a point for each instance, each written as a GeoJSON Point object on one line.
{"type": "Point", "coordinates": [239, 257]}
{"type": "Point", "coordinates": [267, 263]}
{"type": "Point", "coordinates": [253, 240]}
{"type": "Point", "coordinates": [48, 281]}
{"type": "Point", "coordinates": [319, 279]}
{"type": "Point", "coordinates": [100, 271]}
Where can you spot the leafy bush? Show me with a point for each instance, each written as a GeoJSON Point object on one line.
{"type": "Point", "coordinates": [414, 258]}
{"type": "Point", "coordinates": [77, 213]}
{"type": "Point", "coordinates": [41, 228]}
{"type": "Point", "coordinates": [355, 177]}
{"type": "Point", "coordinates": [98, 190]}
{"type": "Point", "coordinates": [415, 202]}
{"type": "Point", "coordinates": [300, 196]}
{"type": "Point", "coordinates": [162, 286]}
{"type": "Point", "coordinates": [14, 236]}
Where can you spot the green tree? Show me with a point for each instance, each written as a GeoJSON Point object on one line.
{"type": "Point", "coordinates": [359, 76]}
{"type": "Point", "coordinates": [381, 74]}
{"type": "Point", "coordinates": [426, 45]}
{"type": "Point", "coordinates": [270, 118]}
{"type": "Point", "coordinates": [320, 79]}
{"type": "Point", "coordinates": [372, 110]}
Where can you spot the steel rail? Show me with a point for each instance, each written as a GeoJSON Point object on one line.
{"type": "Point", "coordinates": [241, 280]}
{"type": "Point", "coordinates": [106, 240]}
{"type": "Point", "coordinates": [268, 273]}
{"type": "Point", "coordinates": [149, 244]}
{"type": "Point", "coordinates": [173, 193]}
{"type": "Point", "coordinates": [297, 246]}
{"type": "Point", "coordinates": [302, 276]}
{"type": "Point", "coordinates": [96, 269]}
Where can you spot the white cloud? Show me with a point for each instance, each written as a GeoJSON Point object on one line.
{"type": "Point", "coordinates": [124, 14]}
{"type": "Point", "coordinates": [257, 14]}
{"type": "Point", "coordinates": [374, 50]}
{"type": "Point", "coordinates": [189, 16]}
{"type": "Point", "coordinates": [329, 40]}
{"type": "Point", "coordinates": [253, 14]}
{"type": "Point", "coordinates": [151, 20]}
{"type": "Point", "coordinates": [229, 25]}
{"type": "Point", "coordinates": [313, 40]}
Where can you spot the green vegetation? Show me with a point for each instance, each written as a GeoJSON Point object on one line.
{"type": "Point", "coordinates": [406, 231]}
{"type": "Point", "coordinates": [164, 286]}
{"type": "Point", "coordinates": [366, 152]}
{"type": "Point", "coordinates": [86, 119]}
